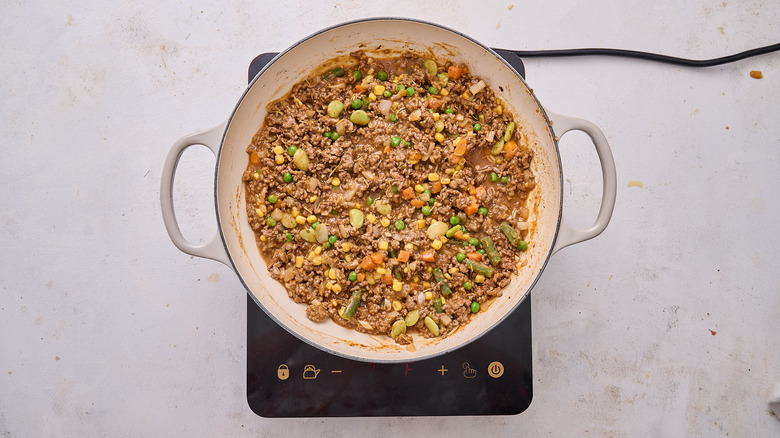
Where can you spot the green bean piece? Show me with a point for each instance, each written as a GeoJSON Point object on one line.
{"type": "Point", "coordinates": [457, 242]}
{"type": "Point", "coordinates": [510, 130]}
{"type": "Point", "coordinates": [438, 275]}
{"type": "Point", "coordinates": [437, 305]}
{"type": "Point", "coordinates": [479, 268]}
{"type": "Point", "coordinates": [492, 252]}
{"type": "Point", "coordinates": [451, 232]}
{"type": "Point", "coordinates": [398, 274]}
{"type": "Point", "coordinates": [498, 147]}
{"type": "Point", "coordinates": [354, 302]}
{"type": "Point", "coordinates": [398, 328]}
{"type": "Point", "coordinates": [511, 234]}
{"type": "Point", "coordinates": [449, 111]}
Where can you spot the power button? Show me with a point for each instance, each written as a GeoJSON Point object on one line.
{"type": "Point", "coordinates": [496, 369]}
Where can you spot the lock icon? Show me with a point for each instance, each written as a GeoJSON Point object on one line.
{"type": "Point", "coordinates": [283, 372]}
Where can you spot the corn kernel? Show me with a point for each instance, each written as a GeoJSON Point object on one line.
{"type": "Point", "coordinates": [410, 246]}
{"type": "Point", "coordinates": [406, 269]}
{"type": "Point", "coordinates": [372, 97]}
{"type": "Point", "coordinates": [417, 277]}
{"type": "Point", "coordinates": [433, 177]}
{"type": "Point", "coordinates": [429, 295]}
{"type": "Point", "coordinates": [329, 286]}
{"type": "Point", "coordinates": [427, 284]}
{"type": "Point", "coordinates": [445, 181]}
{"type": "Point", "coordinates": [311, 219]}
{"type": "Point", "coordinates": [394, 106]}
{"type": "Point", "coordinates": [443, 239]}
{"type": "Point", "coordinates": [311, 256]}
{"type": "Point", "coordinates": [443, 301]}
{"type": "Point", "coordinates": [346, 246]}
{"type": "Point", "coordinates": [337, 288]}
{"type": "Point", "coordinates": [342, 310]}
{"type": "Point", "coordinates": [436, 117]}
{"type": "Point", "coordinates": [479, 278]}
{"type": "Point", "coordinates": [444, 92]}
{"type": "Point", "coordinates": [335, 182]}
{"type": "Point", "coordinates": [300, 220]}
{"type": "Point", "coordinates": [447, 276]}
{"type": "Point", "coordinates": [397, 305]}
{"type": "Point", "coordinates": [295, 212]}
{"type": "Point", "coordinates": [318, 250]}
{"type": "Point", "coordinates": [371, 218]}
{"type": "Point", "coordinates": [263, 238]}
{"type": "Point", "coordinates": [335, 303]}
{"type": "Point", "coordinates": [397, 285]}
{"type": "Point", "coordinates": [347, 258]}
{"type": "Point", "coordinates": [499, 160]}
{"type": "Point", "coordinates": [439, 137]}
{"type": "Point", "coordinates": [499, 110]}
{"type": "Point", "coordinates": [256, 176]}
{"type": "Point", "coordinates": [332, 273]}
{"type": "Point", "coordinates": [436, 244]}
{"type": "Point", "coordinates": [298, 261]}
{"type": "Point", "coordinates": [419, 188]}
{"type": "Point", "coordinates": [379, 89]}
{"type": "Point", "coordinates": [459, 167]}
{"type": "Point", "coordinates": [385, 222]}
{"type": "Point", "coordinates": [420, 224]}
{"type": "Point", "coordinates": [449, 170]}
{"type": "Point", "coordinates": [279, 159]}
{"type": "Point", "coordinates": [317, 261]}
{"type": "Point", "coordinates": [381, 271]}
{"type": "Point", "coordinates": [453, 270]}
{"type": "Point", "coordinates": [278, 150]}
{"type": "Point", "coordinates": [383, 245]}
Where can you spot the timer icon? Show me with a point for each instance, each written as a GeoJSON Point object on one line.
{"type": "Point", "coordinates": [496, 369]}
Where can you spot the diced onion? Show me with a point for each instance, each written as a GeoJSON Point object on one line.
{"type": "Point", "coordinates": [476, 88]}
{"type": "Point", "coordinates": [321, 233]}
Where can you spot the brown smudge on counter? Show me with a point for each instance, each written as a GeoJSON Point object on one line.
{"type": "Point", "coordinates": [713, 332]}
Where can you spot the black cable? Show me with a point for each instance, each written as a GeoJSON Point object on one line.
{"type": "Point", "coordinates": [648, 56]}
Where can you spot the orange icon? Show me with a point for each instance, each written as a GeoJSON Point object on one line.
{"type": "Point", "coordinates": [496, 369]}
{"type": "Point", "coordinates": [310, 372]}
{"type": "Point", "coordinates": [469, 372]}
{"type": "Point", "coordinates": [283, 372]}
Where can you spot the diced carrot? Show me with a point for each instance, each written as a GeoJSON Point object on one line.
{"type": "Point", "coordinates": [472, 191]}
{"type": "Point", "coordinates": [377, 258]}
{"type": "Point", "coordinates": [407, 193]}
{"type": "Point", "coordinates": [480, 191]}
{"type": "Point", "coordinates": [435, 103]}
{"type": "Point", "coordinates": [415, 155]}
{"type": "Point", "coordinates": [477, 257]}
{"type": "Point", "coordinates": [386, 149]}
{"type": "Point", "coordinates": [460, 147]}
{"type": "Point", "coordinates": [387, 279]}
{"type": "Point", "coordinates": [471, 209]}
{"type": "Point", "coordinates": [510, 149]}
{"type": "Point", "coordinates": [254, 158]}
{"type": "Point", "coordinates": [454, 71]}
{"type": "Point", "coordinates": [436, 187]}
{"type": "Point", "coordinates": [429, 255]}
{"type": "Point", "coordinates": [359, 89]}
{"type": "Point", "coordinates": [458, 235]}
{"type": "Point", "coordinates": [403, 256]}
{"type": "Point", "coordinates": [416, 203]}
{"type": "Point", "coordinates": [455, 159]}
{"type": "Point", "coordinates": [361, 276]}
{"type": "Point", "coordinates": [367, 264]}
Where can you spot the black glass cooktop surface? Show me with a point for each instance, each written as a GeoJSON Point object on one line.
{"type": "Point", "coordinates": [287, 377]}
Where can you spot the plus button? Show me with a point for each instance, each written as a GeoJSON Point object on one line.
{"type": "Point", "coordinates": [442, 370]}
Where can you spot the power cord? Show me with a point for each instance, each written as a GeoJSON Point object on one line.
{"type": "Point", "coordinates": [647, 56]}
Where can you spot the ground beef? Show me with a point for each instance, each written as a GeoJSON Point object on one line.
{"type": "Point", "coordinates": [431, 152]}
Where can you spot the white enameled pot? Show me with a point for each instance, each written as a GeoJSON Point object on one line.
{"type": "Point", "coordinates": [235, 244]}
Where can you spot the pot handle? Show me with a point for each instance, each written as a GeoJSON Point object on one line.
{"type": "Point", "coordinates": [568, 235]}
{"type": "Point", "coordinates": [213, 249]}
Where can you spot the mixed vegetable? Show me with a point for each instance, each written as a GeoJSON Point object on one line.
{"type": "Point", "coordinates": [389, 195]}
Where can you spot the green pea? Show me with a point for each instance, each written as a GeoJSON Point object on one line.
{"type": "Point", "coordinates": [426, 210]}
{"type": "Point", "coordinates": [474, 307]}
{"type": "Point", "coordinates": [482, 251]}
{"type": "Point", "coordinates": [482, 211]}
{"type": "Point", "coordinates": [468, 285]}
{"type": "Point", "coordinates": [327, 134]}
{"type": "Point", "coordinates": [289, 237]}
{"type": "Point", "coordinates": [493, 177]}
{"type": "Point", "coordinates": [395, 141]}
{"type": "Point", "coordinates": [400, 225]}
{"type": "Point", "coordinates": [326, 245]}
{"type": "Point", "coordinates": [370, 200]}
{"type": "Point", "coordinates": [270, 222]}
{"type": "Point", "coordinates": [288, 178]}
{"type": "Point", "coordinates": [477, 127]}
{"type": "Point", "coordinates": [393, 118]}
{"type": "Point", "coordinates": [407, 143]}
{"type": "Point", "coordinates": [431, 202]}
{"type": "Point", "coordinates": [504, 179]}
{"type": "Point", "coordinates": [460, 257]}
{"type": "Point", "coordinates": [357, 75]}
{"type": "Point", "coordinates": [433, 90]}
{"type": "Point", "coordinates": [395, 188]}
{"type": "Point", "coordinates": [352, 276]}
{"type": "Point", "coordinates": [409, 91]}
{"type": "Point", "coordinates": [449, 111]}
{"type": "Point", "coordinates": [314, 225]}
{"type": "Point", "coordinates": [381, 75]}
{"type": "Point", "coordinates": [357, 104]}
{"type": "Point", "coordinates": [387, 93]}
{"type": "Point", "coordinates": [273, 199]}
{"type": "Point", "coordinates": [359, 117]}
{"type": "Point", "coordinates": [474, 241]}
{"type": "Point", "coordinates": [399, 88]}
{"type": "Point", "coordinates": [332, 239]}
{"type": "Point", "coordinates": [454, 220]}
{"type": "Point", "coordinates": [292, 150]}
{"type": "Point", "coordinates": [334, 136]}
{"type": "Point", "coordinates": [523, 245]}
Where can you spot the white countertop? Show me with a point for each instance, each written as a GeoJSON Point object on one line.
{"type": "Point", "coordinates": [665, 325]}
